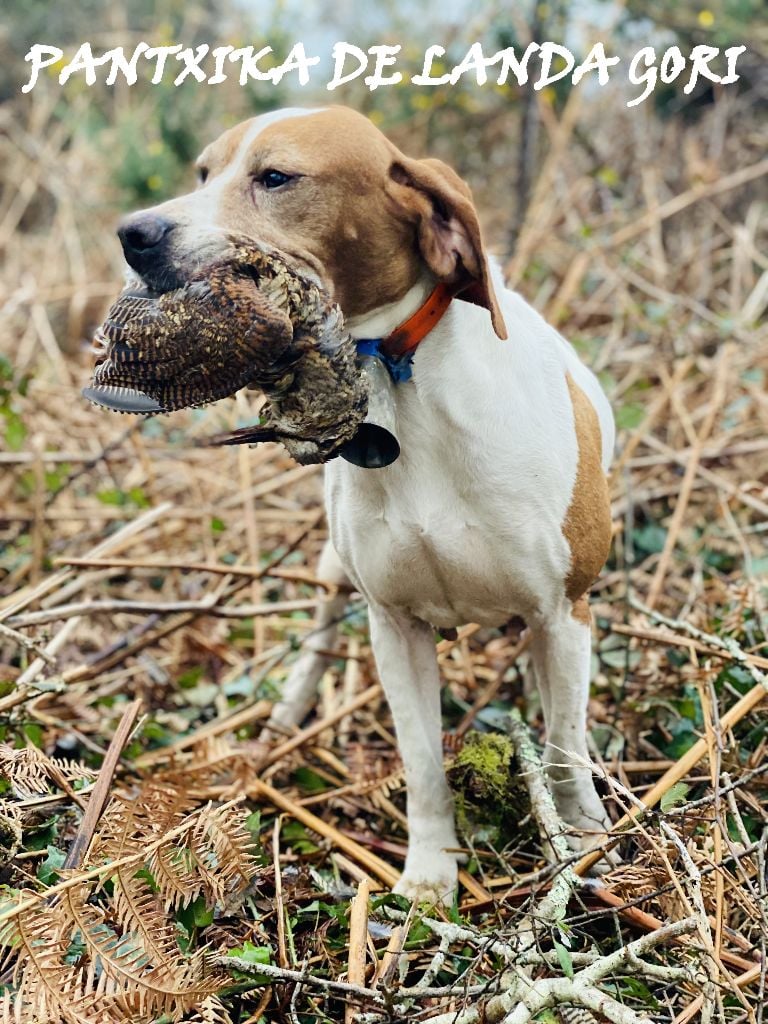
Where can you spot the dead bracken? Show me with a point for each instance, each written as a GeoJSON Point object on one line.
{"type": "Point", "coordinates": [246, 320]}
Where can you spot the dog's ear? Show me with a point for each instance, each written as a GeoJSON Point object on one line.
{"type": "Point", "coordinates": [440, 203]}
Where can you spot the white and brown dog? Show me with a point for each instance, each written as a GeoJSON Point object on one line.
{"type": "Point", "coordinates": [498, 505]}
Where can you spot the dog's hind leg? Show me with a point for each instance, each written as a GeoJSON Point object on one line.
{"type": "Point", "coordinates": [561, 652]}
{"type": "Point", "coordinates": [300, 688]}
{"type": "Point", "coordinates": [404, 649]}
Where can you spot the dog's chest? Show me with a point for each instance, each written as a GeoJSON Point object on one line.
{"type": "Point", "coordinates": [467, 525]}
{"type": "Point", "coordinates": [448, 566]}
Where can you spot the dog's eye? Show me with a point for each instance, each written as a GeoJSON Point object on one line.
{"type": "Point", "coordinates": [274, 179]}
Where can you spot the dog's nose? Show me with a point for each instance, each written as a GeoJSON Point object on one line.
{"type": "Point", "coordinates": [139, 235]}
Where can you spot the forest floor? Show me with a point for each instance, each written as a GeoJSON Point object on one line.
{"type": "Point", "coordinates": [155, 593]}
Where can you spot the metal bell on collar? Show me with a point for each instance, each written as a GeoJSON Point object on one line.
{"type": "Point", "coordinates": [375, 444]}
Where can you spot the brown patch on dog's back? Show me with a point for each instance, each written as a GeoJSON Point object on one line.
{"type": "Point", "coordinates": [587, 525]}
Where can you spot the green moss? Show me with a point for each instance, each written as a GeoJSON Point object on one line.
{"type": "Point", "coordinates": [491, 800]}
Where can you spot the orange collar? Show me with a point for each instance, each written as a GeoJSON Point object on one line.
{"type": "Point", "coordinates": [405, 338]}
{"type": "Point", "coordinates": [397, 348]}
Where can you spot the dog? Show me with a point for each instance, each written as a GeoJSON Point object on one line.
{"type": "Point", "coordinates": [498, 506]}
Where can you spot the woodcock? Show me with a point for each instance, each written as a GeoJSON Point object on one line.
{"type": "Point", "coordinates": [246, 320]}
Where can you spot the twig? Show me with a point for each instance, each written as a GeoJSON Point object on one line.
{"type": "Point", "coordinates": [358, 936]}
{"type": "Point", "coordinates": [229, 723]}
{"type": "Point", "coordinates": [489, 692]}
{"type": "Point", "coordinates": [221, 569]}
{"type": "Point", "coordinates": [114, 543]}
{"type": "Point", "coordinates": [523, 999]}
{"type": "Point", "coordinates": [279, 903]}
{"type": "Point", "coordinates": [644, 920]}
{"type": "Point", "coordinates": [693, 195]}
{"type": "Point", "coordinates": [394, 951]}
{"type": "Point", "coordinates": [208, 606]}
{"type": "Point", "coordinates": [724, 643]}
{"type": "Point", "coordinates": [374, 864]}
{"type": "Point", "coordinates": [691, 881]}
{"type": "Point", "coordinates": [550, 825]}
{"type": "Point", "coordinates": [673, 640]}
{"type": "Point", "coordinates": [742, 980]}
{"type": "Point", "coordinates": [27, 643]}
{"type": "Point", "coordinates": [100, 792]}
{"type": "Point", "coordinates": [178, 622]}
{"type": "Point", "coordinates": [311, 731]}
{"type": "Point", "coordinates": [25, 684]}
{"type": "Point", "coordinates": [358, 992]}
{"type": "Point", "coordinates": [658, 405]}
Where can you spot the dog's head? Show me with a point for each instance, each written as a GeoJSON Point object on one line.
{"type": "Point", "coordinates": [328, 190]}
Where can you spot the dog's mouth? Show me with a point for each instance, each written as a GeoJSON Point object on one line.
{"type": "Point", "coordinates": [142, 290]}
{"type": "Point", "coordinates": [166, 276]}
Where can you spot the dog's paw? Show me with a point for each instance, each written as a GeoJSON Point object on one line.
{"type": "Point", "coordinates": [430, 880]}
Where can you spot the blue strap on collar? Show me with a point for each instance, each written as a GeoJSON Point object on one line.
{"type": "Point", "coordinates": [400, 369]}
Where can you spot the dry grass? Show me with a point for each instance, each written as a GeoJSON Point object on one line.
{"type": "Point", "coordinates": [647, 243]}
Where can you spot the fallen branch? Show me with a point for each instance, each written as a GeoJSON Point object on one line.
{"type": "Point", "coordinates": [358, 992]}
{"type": "Point", "coordinates": [523, 999]}
{"type": "Point", "coordinates": [208, 606]}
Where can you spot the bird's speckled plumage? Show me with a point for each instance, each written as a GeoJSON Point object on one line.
{"type": "Point", "coordinates": [245, 320]}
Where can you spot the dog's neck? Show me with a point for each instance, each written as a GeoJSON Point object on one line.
{"type": "Point", "coordinates": [378, 323]}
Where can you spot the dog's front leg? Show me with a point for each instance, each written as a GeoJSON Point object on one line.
{"type": "Point", "coordinates": [404, 648]}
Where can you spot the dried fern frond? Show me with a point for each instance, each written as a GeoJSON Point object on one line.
{"type": "Point", "coordinates": [215, 754]}
{"type": "Point", "coordinates": [47, 987]}
{"type": "Point", "coordinates": [134, 819]}
{"type": "Point", "coordinates": [172, 868]}
{"type": "Point", "coordinates": [224, 849]}
{"type": "Point", "coordinates": [141, 913]}
{"type": "Point", "coordinates": [130, 972]}
{"type": "Point", "coordinates": [385, 787]}
{"type": "Point", "coordinates": [31, 772]}
{"type": "Point", "coordinates": [210, 1011]}
{"type": "Point", "coordinates": [214, 857]}
{"type": "Point", "coordinates": [209, 762]}
{"type": "Point", "coordinates": [10, 830]}
{"type": "Point", "coordinates": [87, 957]}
